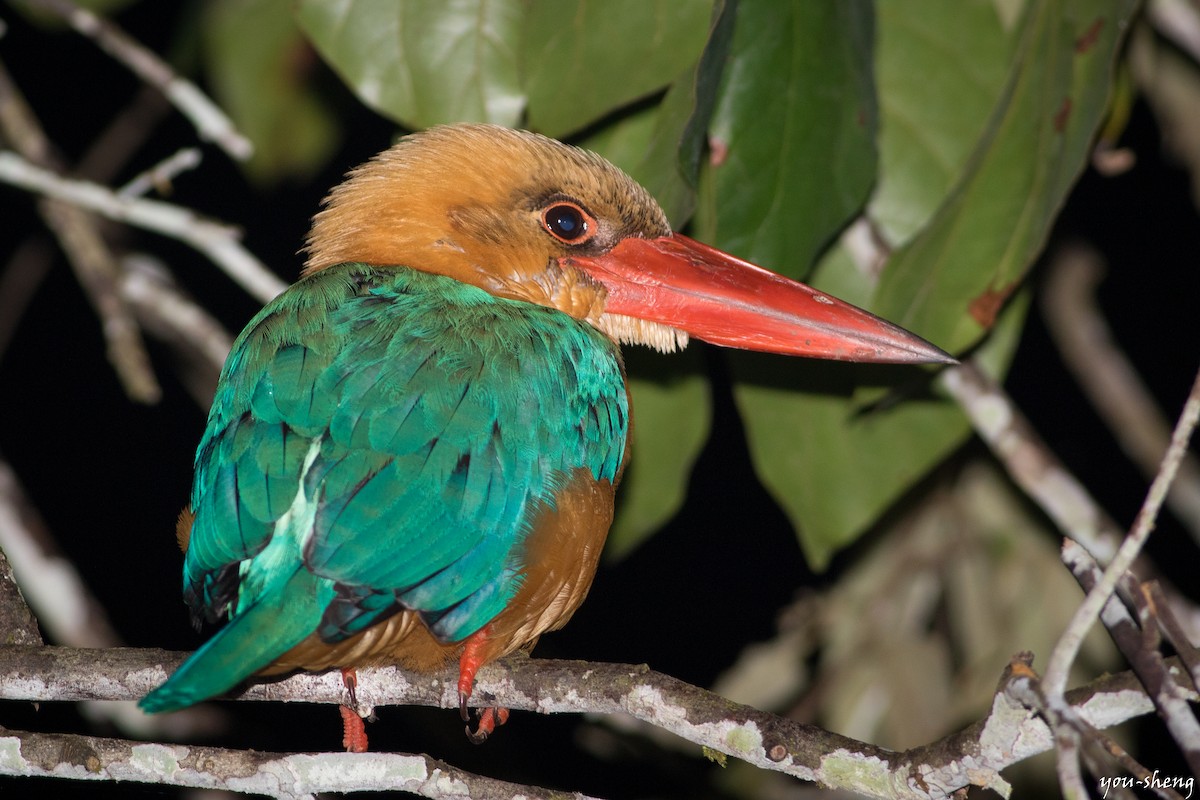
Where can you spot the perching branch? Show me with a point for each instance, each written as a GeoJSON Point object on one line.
{"type": "Point", "coordinates": [974, 756]}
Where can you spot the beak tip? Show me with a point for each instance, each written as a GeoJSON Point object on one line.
{"type": "Point", "coordinates": [930, 354]}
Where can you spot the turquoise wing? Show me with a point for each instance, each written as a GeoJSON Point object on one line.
{"type": "Point", "coordinates": [389, 437]}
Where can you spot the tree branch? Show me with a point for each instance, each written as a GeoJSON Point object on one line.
{"type": "Point", "coordinates": [218, 242]}
{"type": "Point", "coordinates": [211, 122]}
{"type": "Point", "coordinates": [1030, 463]}
{"type": "Point", "coordinates": [1109, 380]}
{"type": "Point", "coordinates": [86, 250]}
{"type": "Point", "coordinates": [296, 775]}
{"type": "Point", "coordinates": [974, 756]}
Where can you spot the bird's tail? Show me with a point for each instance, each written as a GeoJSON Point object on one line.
{"type": "Point", "coordinates": [253, 639]}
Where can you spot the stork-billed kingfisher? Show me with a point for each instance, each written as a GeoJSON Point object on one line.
{"type": "Point", "coordinates": [412, 451]}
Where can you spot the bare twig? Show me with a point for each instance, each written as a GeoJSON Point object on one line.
{"type": "Point", "coordinates": [1138, 641]}
{"type": "Point", "coordinates": [86, 250]}
{"type": "Point", "coordinates": [1110, 382]}
{"type": "Point", "coordinates": [1073, 733]}
{"type": "Point", "coordinates": [1068, 646]}
{"type": "Point", "coordinates": [162, 173]}
{"type": "Point", "coordinates": [1176, 635]}
{"type": "Point", "coordinates": [166, 312]}
{"type": "Point", "coordinates": [1086, 614]}
{"type": "Point", "coordinates": [218, 242]}
{"type": "Point", "coordinates": [211, 122]}
{"type": "Point", "coordinates": [1031, 464]}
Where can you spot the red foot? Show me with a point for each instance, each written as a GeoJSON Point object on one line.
{"type": "Point", "coordinates": [489, 719]}
{"type": "Point", "coordinates": [468, 664]}
{"type": "Point", "coordinates": [354, 732]}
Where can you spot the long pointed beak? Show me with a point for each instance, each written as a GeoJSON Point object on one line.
{"type": "Point", "coordinates": [721, 299]}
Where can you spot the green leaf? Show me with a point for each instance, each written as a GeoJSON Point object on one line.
{"type": "Point", "coordinates": [948, 283]}
{"type": "Point", "coordinates": [645, 144]}
{"type": "Point", "coordinates": [834, 465]}
{"type": "Point", "coordinates": [583, 60]}
{"type": "Point", "coordinates": [794, 127]}
{"type": "Point", "coordinates": [259, 65]}
{"type": "Point", "coordinates": [424, 62]}
{"type": "Point", "coordinates": [940, 65]}
{"type": "Point", "coordinates": [985, 208]}
{"type": "Point", "coordinates": [661, 146]}
{"type": "Point", "coordinates": [672, 415]}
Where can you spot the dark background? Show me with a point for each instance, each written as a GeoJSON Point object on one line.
{"type": "Point", "coordinates": [109, 476]}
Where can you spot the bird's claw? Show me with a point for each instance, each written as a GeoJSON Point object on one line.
{"type": "Point", "coordinates": [489, 719]}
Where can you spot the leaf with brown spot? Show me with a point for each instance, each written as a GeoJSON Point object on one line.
{"type": "Point", "coordinates": [985, 307]}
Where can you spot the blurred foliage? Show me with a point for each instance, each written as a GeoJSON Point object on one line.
{"type": "Point", "coordinates": [945, 135]}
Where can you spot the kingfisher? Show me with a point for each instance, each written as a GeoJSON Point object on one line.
{"type": "Point", "coordinates": [412, 452]}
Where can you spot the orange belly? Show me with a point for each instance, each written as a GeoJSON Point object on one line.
{"type": "Point", "coordinates": [560, 558]}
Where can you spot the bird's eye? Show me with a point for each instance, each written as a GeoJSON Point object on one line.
{"type": "Point", "coordinates": [568, 223]}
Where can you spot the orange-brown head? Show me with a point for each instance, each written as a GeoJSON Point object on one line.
{"type": "Point", "coordinates": [529, 218]}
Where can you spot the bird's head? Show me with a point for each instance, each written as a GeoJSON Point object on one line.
{"type": "Point", "coordinates": [529, 218]}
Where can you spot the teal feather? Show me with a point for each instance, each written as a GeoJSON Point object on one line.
{"type": "Point", "coordinates": [381, 440]}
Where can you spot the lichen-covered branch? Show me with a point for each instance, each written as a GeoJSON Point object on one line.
{"type": "Point", "coordinates": [975, 756]}
{"type": "Point", "coordinates": [295, 775]}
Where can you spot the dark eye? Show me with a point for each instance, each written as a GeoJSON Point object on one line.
{"type": "Point", "coordinates": [568, 223]}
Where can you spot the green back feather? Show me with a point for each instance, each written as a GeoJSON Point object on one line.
{"type": "Point", "coordinates": [390, 435]}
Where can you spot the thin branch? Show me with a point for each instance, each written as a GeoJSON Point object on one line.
{"type": "Point", "coordinates": [1073, 734]}
{"type": "Point", "coordinates": [218, 242]}
{"type": "Point", "coordinates": [211, 122]}
{"type": "Point", "coordinates": [162, 173]}
{"type": "Point", "coordinates": [1089, 610]}
{"type": "Point", "coordinates": [86, 250]}
{"type": "Point", "coordinates": [1030, 462]}
{"type": "Point", "coordinates": [1176, 635]}
{"type": "Point", "coordinates": [167, 312]}
{"type": "Point", "coordinates": [1169, 697]}
{"type": "Point", "coordinates": [1086, 614]}
{"type": "Point", "coordinates": [1109, 380]}
{"type": "Point", "coordinates": [974, 756]}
